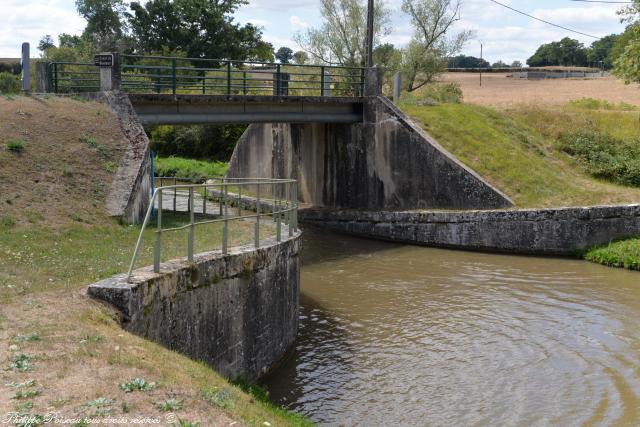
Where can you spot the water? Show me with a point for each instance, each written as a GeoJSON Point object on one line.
{"type": "Point", "coordinates": [402, 335]}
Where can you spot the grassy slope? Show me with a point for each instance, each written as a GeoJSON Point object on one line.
{"type": "Point", "coordinates": [54, 240]}
{"type": "Point", "coordinates": [623, 254]}
{"type": "Point", "coordinates": [515, 150]}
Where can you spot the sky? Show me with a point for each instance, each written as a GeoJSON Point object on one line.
{"type": "Point", "coordinates": [505, 35]}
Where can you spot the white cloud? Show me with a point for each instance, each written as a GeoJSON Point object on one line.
{"type": "Point", "coordinates": [297, 23]}
{"type": "Point", "coordinates": [28, 21]}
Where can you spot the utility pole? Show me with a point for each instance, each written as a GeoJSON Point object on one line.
{"type": "Point", "coordinates": [480, 64]}
{"type": "Point", "coordinates": [368, 61]}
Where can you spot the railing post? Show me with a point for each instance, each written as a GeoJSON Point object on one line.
{"type": "Point", "coordinates": [278, 81]}
{"type": "Point", "coordinates": [290, 207]}
{"type": "Point", "coordinates": [228, 77]}
{"type": "Point", "coordinates": [396, 87]}
{"type": "Point", "coordinates": [326, 88]}
{"type": "Point", "coordinates": [173, 75]}
{"type": "Point", "coordinates": [321, 81]}
{"type": "Point", "coordinates": [225, 223]}
{"type": "Point", "coordinates": [204, 201]}
{"type": "Point", "coordinates": [239, 200]}
{"type": "Point", "coordinates": [257, 233]}
{"type": "Point", "coordinates": [220, 199]}
{"type": "Point", "coordinates": [55, 77]}
{"type": "Point", "coordinates": [175, 193]}
{"type": "Point", "coordinates": [191, 227]}
{"type": "Point", "coordinates": [244, 82]}
{"type": "Point", "coordinates": [156, 252]}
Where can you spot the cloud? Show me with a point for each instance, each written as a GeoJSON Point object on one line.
{"type": "Point", "coordinates": [29, 21]}
{"type": "Point", "coordinates": [297, 23]}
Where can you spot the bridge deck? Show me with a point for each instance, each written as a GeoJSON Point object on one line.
{"type": "Point", "coordinates": [203, 109]}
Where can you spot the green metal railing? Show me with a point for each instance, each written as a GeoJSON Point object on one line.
{"type": "Point", "coordinates": [175, 75]}
{"type": "Point", "coordinates": [275, 199]}
{"type": "Point", "coordinates": [73, 77]}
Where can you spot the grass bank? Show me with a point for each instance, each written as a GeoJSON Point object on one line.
{"type": "Point", "coordinates": [59, 350]}
{"type": "Point", "coordinates": [523, 150]}
{"type": "Point", "coordinates": [622, 254]}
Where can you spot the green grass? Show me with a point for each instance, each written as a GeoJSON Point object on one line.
{"type": "Point", "coordinates": [15, 145]}
{"type": "Point", "coordinates": [189, 168]}
{"type": "Point", "coordinates": [518, 150]}
{"type": "Point", "coordinates": [622, 254]}
{"type": "Point", "coordinates": [601, 104]}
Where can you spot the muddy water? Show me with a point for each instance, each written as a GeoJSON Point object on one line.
{"type": "Point", "coordinates": [401, 335]}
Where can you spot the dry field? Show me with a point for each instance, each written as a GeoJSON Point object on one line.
{"type": "Point", "coordinates": [498, 90]}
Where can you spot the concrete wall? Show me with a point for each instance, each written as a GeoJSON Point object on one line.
{"type": "Point", "coordinates": [129, 192]}
{"type": "Point", "coordinates": [238, 312]}
{"type": "Point", "coordinates": [562, 231]}
{"type": "Point", "coordinates": [386, 162]}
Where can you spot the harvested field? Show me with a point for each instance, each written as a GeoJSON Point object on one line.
{"type": "Point", "coordinates": [498, 90]}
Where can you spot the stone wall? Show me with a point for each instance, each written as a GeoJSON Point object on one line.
{"type": "Point", "coordinates": [561, 231]}
{"type": "Point", "coordinates": [237, 312]}
{"type": "Point", "coordinates": [385, 162]}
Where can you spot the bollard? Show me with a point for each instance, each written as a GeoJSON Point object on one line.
{"type": "Point", "coordinates": [26, 69]}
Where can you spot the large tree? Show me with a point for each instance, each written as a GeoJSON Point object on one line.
{"type": "Point", "coordinates": [600, 51]}
{"type": "Point", "coordinates": [284, 55]}
{"type": "Point", "coordinates": [427, 54]}
{"type": "Point", "coordinates": [566, 52]}
{"type": "Point", "coordinates": [627, 65]}
{"type": "Point", "coordinates": [341, 37]}
{"type": "Point", "coordinates": [464, 61]}
{"type": "Point", "coordinates": [105, 23]}
{"type": "Point", "coordinates": [199, 28]}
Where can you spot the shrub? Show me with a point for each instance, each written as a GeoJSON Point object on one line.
{"type": "Point", "coordinates": [9, 83]}
{"type": "Point", "coordinates": [137, 384]}
{"type": "Point", "coordinates": [435, 93]}
{"type": "Point", "coordinates": [15, 145]}
{"type": "Point", "coordinates": [604, 157]}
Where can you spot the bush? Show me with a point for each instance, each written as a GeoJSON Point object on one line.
{"type": "Point", "coordinates": [435, 93]}
{"type": "Point", "coordinates": [9, 83]}
{"type": "Point", "coordinates": [605, 157]}
{"type": "Point", "coordinates": [15, 145]}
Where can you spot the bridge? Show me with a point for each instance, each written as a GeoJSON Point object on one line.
{"type": "Point", "coordinates": [176, 90]}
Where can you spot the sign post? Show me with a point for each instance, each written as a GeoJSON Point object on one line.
{"type": "Point", "coordinates": [109, 70]}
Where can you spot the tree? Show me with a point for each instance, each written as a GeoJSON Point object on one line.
{"type": "Point", "coordinates": [341, 37]}
{"type": "Point", "coordinates": [199, 28]}
{"type": "Point", "coordinates": [46, 43]}
{"type": "Point", "coordinates": [516, 64]}
{"type": "Point", "coordinates": [500, 64]}
{"type": "Point", "coordinates": [627, 65]}
{"type": "Point", "coordinates": [427, 53]}
{"type": "Point", "coordinates": [284, 55]}
{"type": "Point", "coordinates": [464, 61]}
{"type": "Point", "coordinates": [300, 57]}
{"type": "Point", "coordinates": [567, 52]}
{"type": "Point", "coordinates": [105, 22]}
{"type": "Point", "coordinates": [600, 51]}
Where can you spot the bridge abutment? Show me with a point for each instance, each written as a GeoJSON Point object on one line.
{"type": "Point", "coordinates": [385, 162]}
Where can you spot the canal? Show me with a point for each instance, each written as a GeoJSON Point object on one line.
{"type": "Point", "coordinates": [402, 335]}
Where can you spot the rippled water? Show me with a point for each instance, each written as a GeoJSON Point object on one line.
{"type": "Point", "coordinates": [401, 335]}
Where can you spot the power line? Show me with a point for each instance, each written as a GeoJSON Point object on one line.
{"type": "Point", "coordinates": [604, 1]}
{"type": "Point", "coordinates": [542, 20]}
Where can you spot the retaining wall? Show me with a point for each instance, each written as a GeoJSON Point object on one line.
{"type": "Point", "coordinates": [562, 231]}
{"type": "Point", "coordinates": [238, 312]}
{"type": "Point", "coordinates": [129, 192]}
{"type": "Point", "coordinates": [385, 162]}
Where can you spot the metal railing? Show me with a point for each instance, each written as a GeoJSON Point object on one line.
{"type": "Point", "coordinates": [275, 199]}
{"type": "Point", "coordinates": [73, 77]}
{"type": "Point", "coordinates": [162, 74]}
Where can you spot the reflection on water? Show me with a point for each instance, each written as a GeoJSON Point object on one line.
{"type": "Point", "coordinates": [401, 335]}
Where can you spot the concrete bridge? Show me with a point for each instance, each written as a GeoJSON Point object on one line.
{"type": "Point", "coordinates": [328, 127]}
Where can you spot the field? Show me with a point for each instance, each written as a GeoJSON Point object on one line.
{"type": "Point", "coordinates": [498, 90]}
